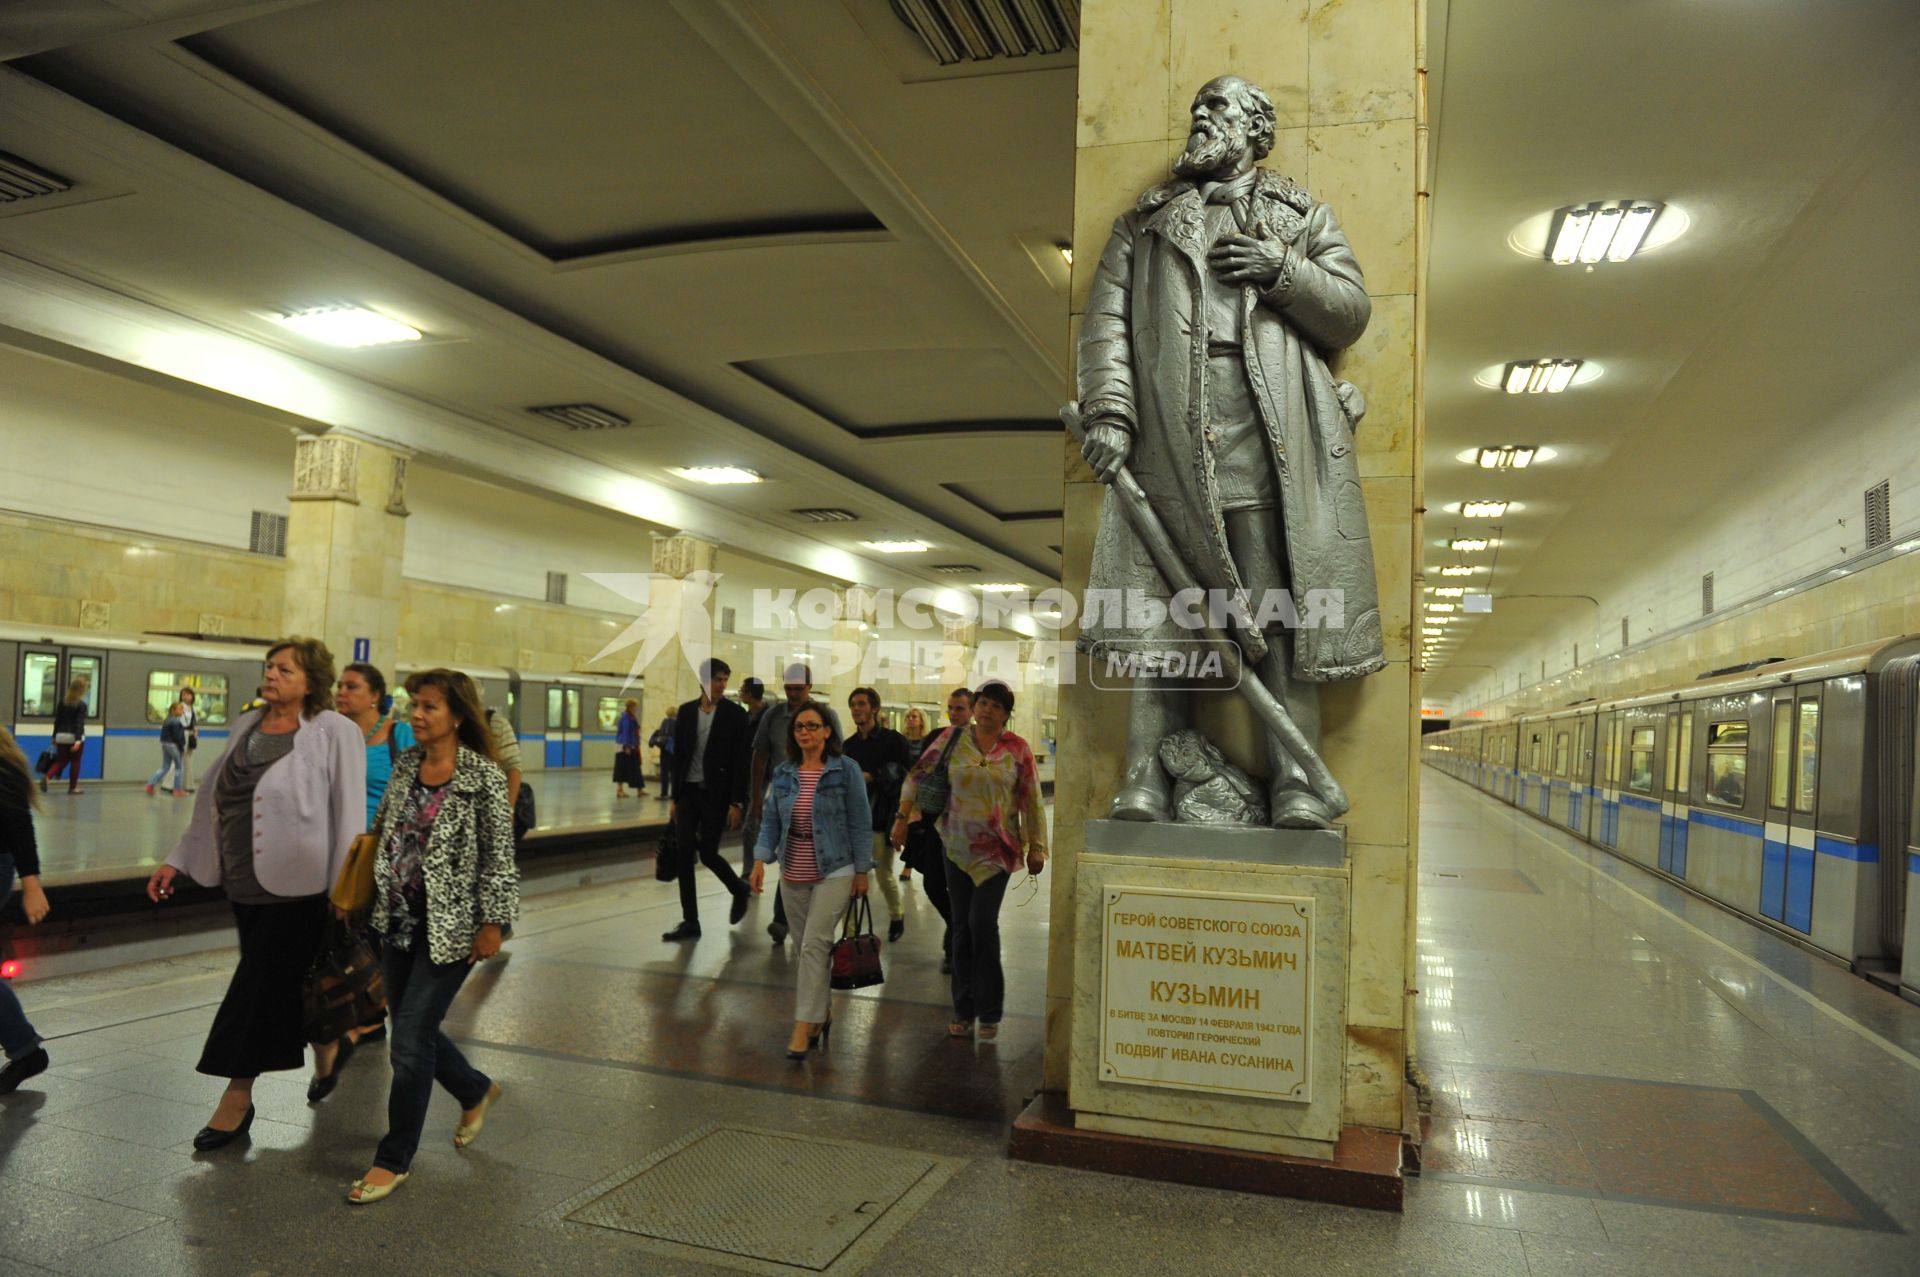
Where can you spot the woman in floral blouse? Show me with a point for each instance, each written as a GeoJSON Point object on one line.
{"type": "Point", "coordinates": [444, 886]}
{"type": "Point", "coordinates": [993, 821]}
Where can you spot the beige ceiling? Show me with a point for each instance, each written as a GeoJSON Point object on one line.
{"type": "Point", "coordinates": [777, 235]}
{"type": "Point", "coordinates": [1787, 132]}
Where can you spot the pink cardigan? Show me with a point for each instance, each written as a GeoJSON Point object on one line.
{"type": "Point", "coordinates": [306, 811]}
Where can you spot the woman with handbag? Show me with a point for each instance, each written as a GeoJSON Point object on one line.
{"type": "Point", "coordinates": [69, 736]}
{"type": "Point", "coordinates": [991, 821]}
{"type": "Point", "coordinates": [444, 887]}
{"type": "Point", "coordinates": [818, 826]}
{"type": "Point", "coordinates": [361, 696]}
{"type": "Point", "coordinates": [922, 848]}
{"type": "Point", "coordinates": [272, 828]}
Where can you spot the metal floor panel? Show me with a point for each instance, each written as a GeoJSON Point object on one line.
{"type": "Point", "coordinates": [762, 1201]}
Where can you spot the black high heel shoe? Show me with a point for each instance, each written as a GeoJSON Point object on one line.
{"type": "Point", "coordinates": [321, 1087]}
{"type": "Point", "coordinates": [211, 1138]}
{"type": "Point", "coordinates": [820, 1035]}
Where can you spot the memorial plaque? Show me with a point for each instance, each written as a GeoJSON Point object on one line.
{"type": "Point", "coordinates": [1207, 991]}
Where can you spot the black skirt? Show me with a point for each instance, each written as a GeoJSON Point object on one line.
{"type": "Point", "coordinates": [626, 769]}
{"type": "Point", "coordinates": [257, 1029]}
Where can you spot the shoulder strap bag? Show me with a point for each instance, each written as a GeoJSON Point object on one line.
{"type": "Point", "coordinates": [855, 960]}
{"type": "Point", "coordinates": [931, 797]}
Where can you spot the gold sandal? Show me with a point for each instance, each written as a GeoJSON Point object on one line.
{"type": "Point", "coordinates": [365, 1194]}
{"type": "Point", "coordinates": [467, 1132]}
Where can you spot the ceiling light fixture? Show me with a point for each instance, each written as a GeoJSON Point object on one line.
{"type": "Point", "coordinates": [719, 474]}
{"type": "Point", "coordinates": [1439, 607]}
{"type": "Point", "coordinates": [1467, 545]}
{"type": "Point", "coordinates": [1432, 631]}
{"type": "Point", "coordinates": [898, 547]}
{"type": "Point", "coordinates": [1448, 591]}
{"type": "Point", "coordinates": [1066, 251]}
{"type": "Point", "coordinates": [1512, 456]}
{"type": "Point", "coordinates": [349, 326]}
{"type": "Point", "coordinates": [1611, 231]}
{"type": "Point", "coordinates": [997, 587]}
{"type": "Point", "coordinates": [1457, 569]}
{"type": "Point", "coordinates": [1483, 509]}
{"type": "Point", "coordinates": [1535, 376]}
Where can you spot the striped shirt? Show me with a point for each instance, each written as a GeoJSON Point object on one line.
{"type": "Point", "coordinates": [798, 860]}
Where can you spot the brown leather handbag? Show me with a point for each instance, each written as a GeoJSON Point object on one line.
{"type": "Point", "coordinates": [353, 892]}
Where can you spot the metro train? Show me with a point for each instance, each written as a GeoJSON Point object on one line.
{"type": "Point", "coordinates": [565, 721]}
{"type": "Point", "coordinates": [1782, 791]}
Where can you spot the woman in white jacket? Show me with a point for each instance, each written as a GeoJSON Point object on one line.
{"type": "Point", "coordinates": [271, 826]}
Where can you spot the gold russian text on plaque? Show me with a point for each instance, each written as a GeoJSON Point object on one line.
{"type": "Point", "coordinates": [1207, 991]}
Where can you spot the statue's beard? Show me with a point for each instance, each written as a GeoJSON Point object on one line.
{"type": "Point", "coordinates": [1211, 152]}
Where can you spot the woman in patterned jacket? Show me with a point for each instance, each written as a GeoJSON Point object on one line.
{"type": "Point", "coordinates": [444, 886]}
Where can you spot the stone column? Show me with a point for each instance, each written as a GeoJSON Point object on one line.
{"type": "Point", "coordinates": [346, 537]}
{"type": "Point", "coordinates": [680, 600]}
{"type": "Point", "coordinates": [1344, 76]}
{"type": "Point", "coordinates": [855, 610]}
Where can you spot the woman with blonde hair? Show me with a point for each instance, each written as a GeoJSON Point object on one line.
{"type": "Point", "coordinates": [444, 889]}
{"type": "Point", "coordinates": [19, 854]}
{"type": "Point", "coordinates": [272, 826]}
{"type": "Point", "coordinates": [69, 736]}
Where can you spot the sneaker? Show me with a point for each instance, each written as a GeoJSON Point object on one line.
{"type": "Point", "coordinates": [17, 1071]}
{"type": "Point", "coordinates": [149, 791]}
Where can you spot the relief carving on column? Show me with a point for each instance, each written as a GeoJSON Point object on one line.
{"type": "Point", "coordinates": [397, 491]}
{"type": "Point", "coordinates": [326, 468]}
{"type": "Point", "coordinates": [856, 604]}
{"type": "Point", "coordinates": [681, 556]}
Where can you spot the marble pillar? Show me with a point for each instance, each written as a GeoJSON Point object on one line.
{"type": "Point", "coordinates": [1345, 79]}
{"type": "Point", "coordinates": [680, 592]}
{"type": "Point", "coordinates": [346, 538]}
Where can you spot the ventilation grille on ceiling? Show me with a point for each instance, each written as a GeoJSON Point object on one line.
{"type": "Point", "coordinates": [556, 587]}
{"type": "Point", "coordinates": [268, 534]}
{"type": "Point", "coordinates": [956, 569]}
{"type": "Point", "coordinates": [1879, 515]}
{"type": "Point", "coordinates": [582, 416]}
{"type": "Point", "coordinates": [982, 30]}
{"type": "Point", "coordinates": [1706, 594]}
{"type": "Point", "coordinates": [826, 514]}
{"type": "Point", "coordinates": [20, 180]}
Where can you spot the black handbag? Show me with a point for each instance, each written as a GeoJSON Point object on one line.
{"type": "Point", "coordinates": [934, 790]}
{"type": "Point", "coordinates": [523, 814]}
{"type": "Point", "coordinates": [666, 856]}
{"type": "Point", "coordinates": [855, 960]}
{"type": "Point", "coordinates": [344, 986]}
{"type": "Point", "coordinates": [44, 763]}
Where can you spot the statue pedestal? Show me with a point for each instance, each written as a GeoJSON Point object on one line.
{"type": "Point", "coordinates": [1209, 1017]}
{"type": "Point", "coordinates": [1210, 985]}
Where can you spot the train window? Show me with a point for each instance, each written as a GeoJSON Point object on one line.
{"type": "Point", "coordinates": [1808, 769]}
{"type": "Point", "coordinates": [209, 696]}
{"type": "Point", "coordinates": [1780, 781]}
{"type": "Point", "coordinates": [39, 684]}
{"type": "Point", "coordinates": [1533, 753]}
{"type": "Point", "coordinates": [1673, 751]}
{"type": "Point", "coordinates": [1581, 755]}
{"type": "Point", "coordinates": [609, 713]}
{"type": "Point", "coordinates": [1727, 763]}
{"type": "Point", "coordinates": [1562, 743]}
{"type": "Point", "coordinates": [1640, 760]}
{"type": "Point", "coordinates": [87, 667]}
{"type": "Point", "coordinates": [1686, 751]}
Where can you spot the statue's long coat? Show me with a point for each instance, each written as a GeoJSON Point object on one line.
{"type": "Point", "coordinates": [1143, 359]}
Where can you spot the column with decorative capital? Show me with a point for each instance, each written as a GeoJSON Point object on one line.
{"type": "Point", "coordinates": [346, 538]}
{"type": "Point", "coordinates": [680, 611]}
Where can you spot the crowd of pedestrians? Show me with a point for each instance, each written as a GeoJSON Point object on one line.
{"type": "Point", "coordinates": [321, 786]}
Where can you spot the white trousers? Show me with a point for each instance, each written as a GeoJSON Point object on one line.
{"type": "Point", "coordinates": [814, 910]}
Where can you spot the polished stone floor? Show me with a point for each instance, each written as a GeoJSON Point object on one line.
{"type": "Point", "coordinates": [1625, 1081]}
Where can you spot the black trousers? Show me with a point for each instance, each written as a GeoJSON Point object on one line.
{"type": "Point", "coordinates": [979, 983]}
{"type": "Point", "coordinates": [257, 1029]}
{"type": "Point", "coordinates": [700, 817]}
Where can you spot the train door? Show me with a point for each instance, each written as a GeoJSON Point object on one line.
{"type": "Point", "coordinates": [1793, 787]}
{"type": "Point", "coordinates": [563, 726]}
{"type": "Point", "coordinates": [45, 671]}
{"type": "Point", "coordinates": [1675, 803]}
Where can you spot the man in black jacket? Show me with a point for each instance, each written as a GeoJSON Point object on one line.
{"type": "Point", "coordinates": [710, 757]}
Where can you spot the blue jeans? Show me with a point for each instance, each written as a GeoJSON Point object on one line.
{"type": "Point", "coordinates": [17, 1037]}
{"type": "Point", "coordinates": [171, 757]}
{"type": "Point", "coordinates": [419, 991]}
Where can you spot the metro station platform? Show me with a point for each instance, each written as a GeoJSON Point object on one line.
{"type": "Point", "coordinates": [1625, 1081]}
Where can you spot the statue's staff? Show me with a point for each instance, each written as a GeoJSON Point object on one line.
{"type": "Point", "coordinates": [1173, 569]}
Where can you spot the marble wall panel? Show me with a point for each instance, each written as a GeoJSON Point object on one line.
{"type": "Point", "coordinates": [1362, 54]}
{"type": "Point", "coordinates": [1107, 181]}
{"type": "Point", "coordinates": [1123, 72]}
{"type": "Point", "coordinates": [1365, 171]}
{"type": "Point", "coordinates": [1264, 41]}
{"type": "Point", "coordinates": [1366, 725]}
{"type": "Point", "coordinates": [1381, 366]}
{"type": "Point", "coordinates": [1376, 961]}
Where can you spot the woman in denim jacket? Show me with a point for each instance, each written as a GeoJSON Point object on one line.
{"type": "Point", "coordinates": [818, 826]}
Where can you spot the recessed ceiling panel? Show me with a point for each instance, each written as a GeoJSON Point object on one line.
{"type": "Point", "coordinates": [583, 126]}
{"type": "Point", "coordinates": [877, 392]}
